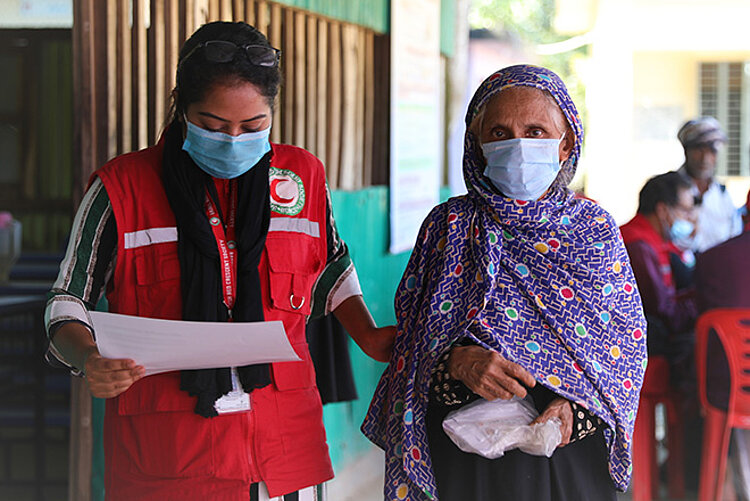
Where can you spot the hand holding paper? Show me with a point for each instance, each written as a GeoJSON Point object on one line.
{"type": "Point", "coordinates": [168, 345]}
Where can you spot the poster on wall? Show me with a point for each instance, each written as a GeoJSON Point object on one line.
{"type": "Point", "coordinates": [416, 121]}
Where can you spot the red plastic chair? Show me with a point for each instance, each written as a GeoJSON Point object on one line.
{"type": "Point", "coordinates": [732, 327]}
{"type": "Point", "coordinates": [656, 390]}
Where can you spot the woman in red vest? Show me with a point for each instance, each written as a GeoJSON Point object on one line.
{"type": "Point", "coordinates": [213, 223]}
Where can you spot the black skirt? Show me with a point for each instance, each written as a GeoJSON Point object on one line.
{"type": "Point", "coordinates": [575, 472]}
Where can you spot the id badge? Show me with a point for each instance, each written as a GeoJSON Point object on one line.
{"type": "Point", "coordinates": [237, 400]}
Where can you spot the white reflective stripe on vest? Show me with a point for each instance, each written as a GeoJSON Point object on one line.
{"type": "Point", "coordinates": [150, 236]}
{"type": "Point", "coordinates": [294, 224]}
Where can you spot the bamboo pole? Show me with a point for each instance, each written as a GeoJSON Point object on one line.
{"type": "Point", "coordinates": [300, 75]}
{"type": "Point", "coordinates": [311, 81]}
{"type": "Point", "coordinates": [124, 76]}
{"type": "Point", "coordinates": [158, 70]}
{"type": "Point", "coordinates": [369, 107]}
{"type": "Point", "coordinates": [271, 18]}
{"type": "Point", "coordinates": [250, 15]}
{"type": "Point", "coordinates": [140, 76]}
{"type": "Point", "coordinates": [334, 105]}
{"type": "Point", "coordinates": [348, 166]}
{"type": "Point", "coordinates": [111, 79]}
{"type": "Point", "coordinates": [322, 91]}
{"type": "Point", "coordinates": [287, 92]}
{"type": "Point", "coordinates": [79, 474]}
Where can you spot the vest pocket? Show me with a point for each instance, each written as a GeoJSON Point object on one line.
{"type": "Point", "coordinates": [158, 434]}
{"type": "Point", "coordinates": [157, 270]}
{"type": "Point", "coordinates": [293, 267]}
{"type": "Point", "coordinates": [168, 444]}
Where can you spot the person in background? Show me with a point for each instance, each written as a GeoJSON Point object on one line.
{"type": "Point", "coordinates": [718, 219]}
{"type": "Point", "coordinates": [722, 276]}
{"type": "Point", "coordinates": [665, 205]}
{"type": "Point", "coordinates": [213, 223]}
{"type": "Point", "coordinates": [516, 289]}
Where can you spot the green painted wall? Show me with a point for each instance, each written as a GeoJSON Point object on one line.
{"type": "Point", "coordinates": [362, 219]}
{"type": "Point", "coordinates": [373, 14]}
{"type": "Point", "coordinates": [448, 27]}
{"type": "Point", "coordinates": [376, 14]}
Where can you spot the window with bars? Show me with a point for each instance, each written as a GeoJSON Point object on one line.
{"type": "Point", "coordinates": [723, 94]}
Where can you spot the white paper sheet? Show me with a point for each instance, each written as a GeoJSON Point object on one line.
{"type": "Point", "coordinates": [168, 345]}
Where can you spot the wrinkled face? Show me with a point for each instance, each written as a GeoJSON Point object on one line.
{"type": "Point", "coordinates": [525, 112]}
{"type": "Point", "coordinates": [233, 109]}
{"type": "Point", "coordinates": [700, 161]}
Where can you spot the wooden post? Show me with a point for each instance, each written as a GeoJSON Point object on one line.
{"type": "Point", "coordinates": [124, 76]}
{"type": "Point", "coordinates": [238, 10]}
{"type": "Point", "coordinates": [359, 115]}
{"type": "Point", "coordinates": [85, 156]}
{"type": "Point", "coordinates": [214, 10]}
{"type": "Point", "coordinates": [287, 92]}
{"type": "Point", "coordinates": [322, 88]}
{"type": "Point", "coordinates": [173, 42]}
{"type": "Point", "coordinates": [270, 17]}
{"type": "Point", "coordinates": [81, 441]}
{"type": "Point", "coordinates": [369, 90]}
{"type": "Point", "coordinates": [381, 110]}
{"type": "Point", "coordinates": [140, 76]}
{"type": "Point", "coordinates": [298, 118]}
{"type": "Point", "coordinates": [250, 16]}
{"type": "Point", "coordinates": [311, 80]}
{"type": "Point", "coordinates": [334, 105]}
{"type": "Point", "coordinates": [348, 165]}
{"type": "Point", "coordinates": [157, 77]}
{"type": "Point", "coordinates": [225, 11]}
{"type": "Point", "coordinates": [110, 54]}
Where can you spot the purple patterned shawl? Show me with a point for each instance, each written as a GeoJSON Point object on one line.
{"type": "Point", "coordinates": [547, 284]}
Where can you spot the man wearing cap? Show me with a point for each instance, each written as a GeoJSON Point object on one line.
{"type": "Point", "coordinates": [718, 219]}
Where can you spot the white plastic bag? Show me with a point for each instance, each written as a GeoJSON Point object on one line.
{"type": "Point", "coordinates": [489, 428]}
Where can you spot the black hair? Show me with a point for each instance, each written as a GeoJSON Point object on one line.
{"type": "Point", "coordinates": [196, 75]}
{"type": "Point", "coordinates": [664, 188]}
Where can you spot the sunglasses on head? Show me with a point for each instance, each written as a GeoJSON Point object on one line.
{"type": "Point", "coordinates": [222, 51]}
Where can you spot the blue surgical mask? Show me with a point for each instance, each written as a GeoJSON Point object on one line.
{"type": "Point", "coordinates": [680, 233]}
{"type": "Point", "coordinates": [522, 168]}
{"type": "Point", "coordinates": [222, 155]}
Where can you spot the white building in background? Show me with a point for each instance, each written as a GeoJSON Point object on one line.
{"type": "Point", "coordinates": [655, 64]}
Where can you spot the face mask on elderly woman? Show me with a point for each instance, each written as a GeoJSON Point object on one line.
{"type": "Point", "coordinates": [522, 168]}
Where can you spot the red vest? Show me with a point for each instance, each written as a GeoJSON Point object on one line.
{"type": "Point", "coordinates": [156, 447]}
{"type": "Point", "coordinates": [639, 229]}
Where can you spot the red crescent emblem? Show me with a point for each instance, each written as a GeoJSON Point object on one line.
{"type": "Point", "coordinates": [275, 193]}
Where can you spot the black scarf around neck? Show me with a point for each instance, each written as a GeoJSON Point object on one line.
{"type": "Point", "coordinates": [202, 299]}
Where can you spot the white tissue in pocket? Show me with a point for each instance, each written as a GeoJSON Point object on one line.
{"type": "Point", "coordinates": [489, 428]}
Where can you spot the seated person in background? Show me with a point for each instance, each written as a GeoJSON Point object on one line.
{"type": "Point", "coordinates": [718, 220]}
{"type": "Point", "coordinates": [682, 262]}
{"type": "Point", "coordinates": [723, 281]}
{"type": "Point", "coordinates": [664, 210]}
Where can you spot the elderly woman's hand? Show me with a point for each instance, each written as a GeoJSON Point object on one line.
{"type": "Point", "coordinates": [561, 409]}
{"type": "Point", "coordinates": [487, 373]}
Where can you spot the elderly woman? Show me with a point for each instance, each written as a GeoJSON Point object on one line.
{"type": "Point", "coordinates": [516, 288]}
